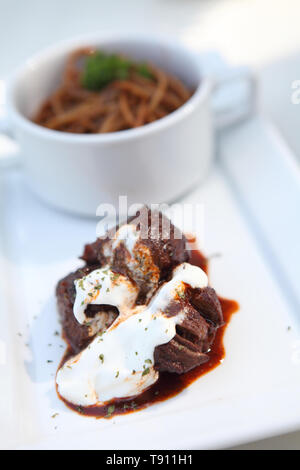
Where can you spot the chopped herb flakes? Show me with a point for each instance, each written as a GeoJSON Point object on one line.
{"type": "Point", "coordinates": [101, 357]}
{"type": "Point", "coordinates": [110, 411]}
{"type": "Point", "coordinates": [180, 294]}
{"type": "Point", "coordinates": [132, 406]}
{"type": "Point", "coordinates": [114, 276]}
{"type": "Point", "coordinates": [146, 371]}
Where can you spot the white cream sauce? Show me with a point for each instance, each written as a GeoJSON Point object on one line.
{"type": "Point", "coordinates": [120, 362]}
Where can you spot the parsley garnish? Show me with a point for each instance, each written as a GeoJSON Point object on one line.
{"type": "Point", "coordinates": [110, 411]}
{"type": "Point", "coordinates": [101, 68]}
{"type": "Point", "coordinates": [143, 69]}
{"type": "Point", "coordinates": [180, 294]}
{"type": "Point", "coordinates": [114, 276]}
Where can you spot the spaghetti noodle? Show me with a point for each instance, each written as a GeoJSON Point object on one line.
{"type": "Point", "coordinates": [142, 95]}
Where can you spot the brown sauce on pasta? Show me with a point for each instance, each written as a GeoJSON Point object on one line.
{"type": "Point", "coordinates": [121, 104]}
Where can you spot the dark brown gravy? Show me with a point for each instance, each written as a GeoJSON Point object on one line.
{"type": "Point", "coordinates": [168, 385]}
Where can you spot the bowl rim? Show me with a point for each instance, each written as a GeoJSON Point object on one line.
{"type": "Point", "coordinates": [202, 90]}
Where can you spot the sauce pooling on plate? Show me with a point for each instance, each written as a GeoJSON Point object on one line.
{"type": "Point", "coordinates": [168, 384]}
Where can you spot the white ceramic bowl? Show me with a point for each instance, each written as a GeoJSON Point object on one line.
{"type": "Point", "coordinates": [155, 163]}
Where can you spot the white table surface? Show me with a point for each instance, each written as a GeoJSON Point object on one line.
{"type": "Point", "coordinates": [262, 33]}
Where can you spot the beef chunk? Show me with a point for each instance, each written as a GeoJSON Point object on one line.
{"type": "Point", "coordinates": [208, 305]}
{"type": "Point", "coordinates": [166, 243]}
{"type": "Point", "coordinates": [79, 336]}
{"type": "Point", "coordinates": [158, 249]}
{"type": "Point", "coordinates": [194, 335]}
{"type": "Point", "coordinates": [92, 253]}
{"type": "Point", "coordinates": [178, 356]}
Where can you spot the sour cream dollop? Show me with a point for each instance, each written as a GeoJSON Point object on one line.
{"type": "Point", "coordinates": [120, 362]}
{"type": "Point", "coordinates": [103, 287]}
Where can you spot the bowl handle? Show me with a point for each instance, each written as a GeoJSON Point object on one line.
{"type": "Point", "coordinates": [234, 96]}
{"type": "Point", "coordinates": [234, 89]}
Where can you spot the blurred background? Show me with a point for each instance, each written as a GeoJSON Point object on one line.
{"type": "Point", "coordinates": [263, 34]}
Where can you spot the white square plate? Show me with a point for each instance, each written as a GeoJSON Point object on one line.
{"type": "Point", "coordinates": [253, 394]}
